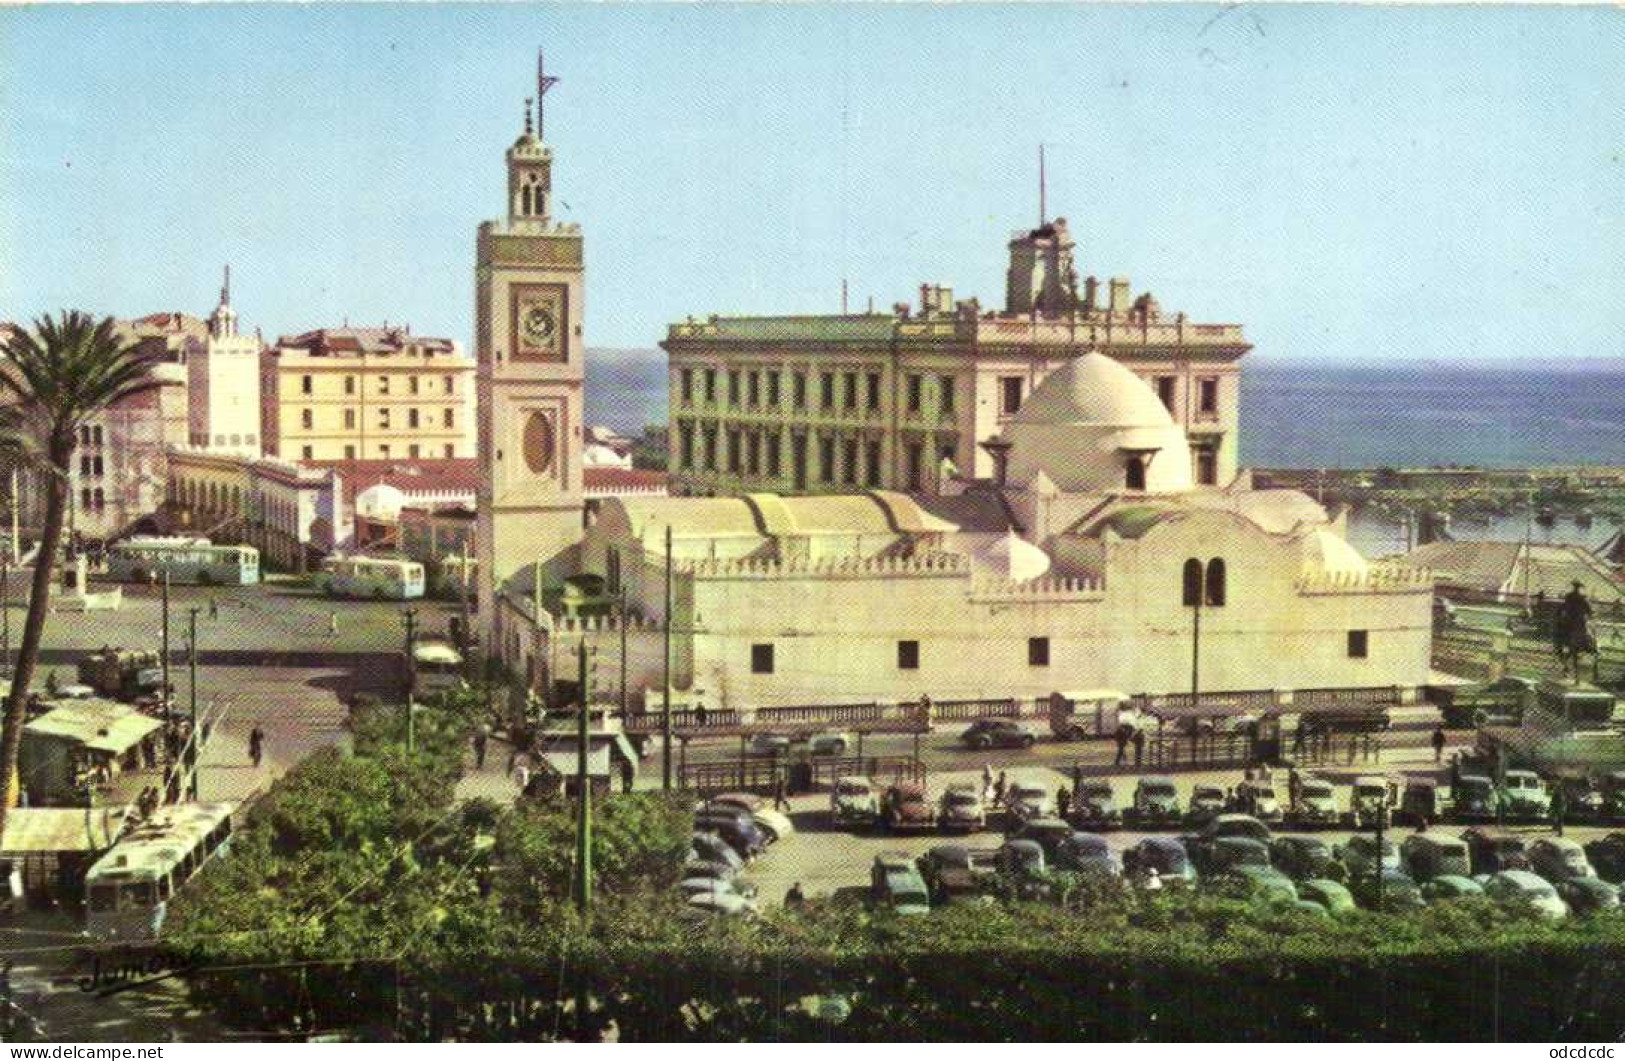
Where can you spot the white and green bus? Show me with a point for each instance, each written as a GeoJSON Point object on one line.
{"type": "Point", "coordinates": [128, 889]}
{"type": "Point", "coordinates": [187, 560]}
{"type": "Point", "coordinates": [370, 577]}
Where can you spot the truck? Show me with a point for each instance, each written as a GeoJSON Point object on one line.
{"type": "Point", "coordinates": [122, 674]}
{"type": "Point", "coordinates": [1091, 713]}
{"type": "Point", "coordinates": [1371, 796]}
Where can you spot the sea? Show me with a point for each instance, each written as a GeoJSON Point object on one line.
{"type": "Point", "coordinates": [1315, 416]}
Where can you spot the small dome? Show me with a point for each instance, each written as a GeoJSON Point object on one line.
{"type": "Point", "coordinates": [1325, 552]}
{"type": "Point", "coordinates": [1011, 556]}
{"type": "Point", "coordinates": [1092, 426]}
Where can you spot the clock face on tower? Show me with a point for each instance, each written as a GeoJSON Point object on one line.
{"type": "Point", "coordinates": [538, 322]}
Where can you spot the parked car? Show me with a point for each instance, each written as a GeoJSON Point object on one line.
{"type": "Point", "coordinates": [1027, 799]}
{"type": "Point", "coordinates": [1207, 803]}
{"type": "Point", "coordinates": [1330, 895]}
{"type": "Point", "coordinates": [1258, 799]}
{"type": "Point", "coordinates": [1522, 886]}
{"type": "Point", "coordinates": [740, 833]}
{"type": "Point", "coordinates": [1047, 833]}
{"type": "Point", "coordinates": [1524, 797]}
{"type": "Point", "coordinates": [1164, 854]}
{"type": "Point", "coordinates": [1429, 855]}
{"type": "Point", "coordinates": [1359, 855]}
{"type": "Point", "coordinates": [1498, 703]}
{"type": "Point", "coordinates": [962, 810]}
{"type": "Point", "coordinates": [1086, 853]}
{"type": "Point", "coordinates": [1094, 806]}
{"type": "Point", "coordinates": [716, 885]}
{"type": "Point", "coordinates": [1197, 845]}
{"type": "Point", "coordinates": [998, 733]}
{"type": "Point", "coordinates": [1369, 797]}
{"type": "Point", "coordinates": [1156, 803]}
{"type": "Point", "coordinates": [853, 801]}
{"type": "Point", "coordinates": [1262, 881]}
{"type": "Point", "coordinates": [1582, 800]}
{"type": "Point", "coordinates": [1228, 852]}
{"type": "Point", "coordinates": [1418, 802]}
{"type": "Point", "coordinates": [1316, 805]}
{"type": "Point", "coordinates": [1613, 796]}
{"type": "Point", "coordinates": [725, 904]}
{"type": "Point", "coordinates": [713, 848]}
{"type": "Point", "coordinates": [1493, 851]}
{"type": "Point", "coordinates": [775, 824]}
{"type": "Point", "coordinates": [905, 807]}
{"type": "Point", "coordinates": [1559, 858]}
{"type": "Point", "coordinates": [1472, 799]}
{"type": "Point", "coordinates": [1607, 857]}
{"type": "Point", "coordinates": [828, 745]}
{"type": "Point", "coordinates": [697, 868]}
{"type": "Point", "coordinates": [1449, 886]}
{"type": "Point", "coordinates": [1304, 857]}
{"type": "Point", "coordinates": [767, 746]}
{"type": "Point", "coordinates": [953, 872]}
{"type": "Point", "coordinates": [1588, 895]}
{"type": "Point", "coordinates": [1023, 868]}
{"type": "Point", "coordinates": [894, 881]}
{"type": "Point", "coordinates": [1399, 891]}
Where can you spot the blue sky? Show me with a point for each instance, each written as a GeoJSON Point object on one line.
{"type": "Point", "coordinates": [1352, 184]}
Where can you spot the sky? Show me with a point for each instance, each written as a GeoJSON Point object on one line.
{"type": "Point", "coordinates": [1352, 184]}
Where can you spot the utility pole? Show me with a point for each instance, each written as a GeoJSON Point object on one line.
{"type": "Point", "coordinates": [411, 616]}
{"type": "Point", "coordinates": [583, 881]}
{"type": "Point", "coordinates": [665, 707]}
{"type": "Point", "coordinates": [16, 542]}
{"type": "Point", "coordinates": [169, 716]}
{"type": "Point", "coordinates": [197, 735]}
{"type": "Point", "coordinates": [5, 611]}
{"type": "Point", "coordinates": [623, 651]}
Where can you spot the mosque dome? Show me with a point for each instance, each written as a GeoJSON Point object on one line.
{"type": "Point", "coordinates": [1013, 557]}
{"type": "Point", "coordinates": [1093, 426]}
{"type": "Point", "coordinates": [1327, 553]}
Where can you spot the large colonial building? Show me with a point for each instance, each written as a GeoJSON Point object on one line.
{"type": "Point", "coordinates": [223, 385]}
{"type": "Point", "coordinates": [829, 404]}
{"type": "Point", "coordinates": [366, 394]}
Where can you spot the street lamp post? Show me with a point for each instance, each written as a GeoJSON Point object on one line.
{"type": "Point", "coordinates": [197, 734]}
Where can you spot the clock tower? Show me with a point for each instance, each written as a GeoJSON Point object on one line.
{"type": "Point", "coordinates": [527, 322]}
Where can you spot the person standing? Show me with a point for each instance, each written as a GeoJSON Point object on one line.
{"type": "Point", "coordinates": [998, 790]}
{"type": "Point", "coordinates": [1122, 745]}
{"type": "Point", "coordinates": [481, 736]}
{"type": "Point", "coordinates": [795, 897]}
{"type": "Point", "coordinates": [1438, 744]}
{"type": "Point", "coordinates": [332, 624]}
{"type": "Point", "coordinates": [781, 798]}
{"type": "Point", "coordinates": [1063, 801]}
{"type": "Point", "coordinates": [214, 607]}
{"type": "Point", "coordinates": [256, 746]}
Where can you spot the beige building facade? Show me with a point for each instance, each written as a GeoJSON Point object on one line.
{"type": "Point", "coordinates": [367, 394]}
{"type": "Point", "coordinates": [223, 388]}
{"type": "Point", "coordinates": [829, 404]}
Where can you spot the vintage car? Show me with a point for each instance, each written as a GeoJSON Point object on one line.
{"type": "Point", "coordinates": [853, 801]}
{"type": "Point", "coordinates": [1429, 855]}
{"type": "Point", "coordinates": [1207, 802]}
{"type": "Point", "coordinates": [1522, 886]}
{"type": "Point", "coordinates": [952, 872]}
{"type": "Point", "coordinates": [1472, 799]}
{"type": "Point", "coordinates": [1329, 894]}
{"type": "Point", "coordinates": [1258, 799]}
{"type": "Point", "coordinates": [1559, 858]}
{"type": "Point", "coordinates": [1315, 805]}
{"type": "Point", "coordinates": [1493, 851]}
{"type": "Point", "coordinates": [1094, 806]}
{"type": "Point", "coordinates": [1588, 895]}
{"type": "Point", "coordinates": [1498, 703]}
{"type": "Point", "coordinates": [1369, 799]}
{"type": "Point", "coordinates": [1448, 886]}
{"type": "Point", "coordinates": [1027, 799]}
{"type": "Point", "coordinates": [1397, 891]}
{"type": "Point", "coordinates": [1359, 855]}
{"type": "Point", "coordinates": [1523, 797]}
{"type": "Point", "coordinates": [1047, 833]}
{"type": "Point", "coordinates": [905, 807]}
{"type": "Point", "coordinates": [895, 882]}
{"type": "Point", "coordinates": [1607, 857]}
{"type": "Point", "coordinates": [1164, 854]}
{"type": "Point", "coordinates": [961, 810]}
{"type": "Point", "coordinates": [1085, 853]}
{"type": "Point", "coordinates": [1156, 803]}
{"type": "Point", "coordinates": [998, 733]}
{"type": "Point", "coordinates": [1303, 857]}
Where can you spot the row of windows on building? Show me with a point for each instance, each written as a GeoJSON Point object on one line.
{"type": "Point", "coordinates": [92, 499]}
{"type": "Point", "coordinates": [752, 388]}
{"type": "Point", "coordinates": [414, 384]}
{"type": "Point", "coordinates": [762, 654]}
{"type": "Point", "coordinates": [414, 451]}
{"type": "Point", "coordinates": [1207, 394]}
{"type": "Point", "coordinates": [747, 453]}
{"type": "Point", "coordinates": [415, 418]}
{"type": "Point", "coordinates": [90, 435]}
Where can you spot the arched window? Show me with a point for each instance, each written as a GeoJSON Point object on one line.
{"type": "Point", "coordinates": [1215, 583]}
{"type": "Point", "coordinates": [524, 201]}
{"type": "Point", "coordinates": [612, 572]}
{"type": "Point", "coordinates": [1192, 583]}
{"type": "Point", "coordinates": [1135, 478]}
{"type": "Point", "coordinates": [100, 499]}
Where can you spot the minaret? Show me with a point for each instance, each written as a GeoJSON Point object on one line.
{"type": "Point", "coordinates": [528, 300]}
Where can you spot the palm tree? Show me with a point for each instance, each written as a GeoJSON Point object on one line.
{"type": "Point", "coordinates": [70, 369]}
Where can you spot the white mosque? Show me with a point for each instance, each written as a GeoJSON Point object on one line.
{"type": "Point", "coordinates": [1066, 572]}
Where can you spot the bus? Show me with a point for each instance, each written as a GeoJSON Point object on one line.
{"type": "Point", "coordinates": [373, 577]}
{"type": "Point", "coordinates": [128, 889]}
{"type": "Point", "coordinates": [193, 560]}
{"type": "Point", "coordinates": [436, 667]}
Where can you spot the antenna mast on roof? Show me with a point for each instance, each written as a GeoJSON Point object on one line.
{"type": "Point", "coordinates": [1043, 212]}
{"type": "Point", "coordinates": [543, 83]}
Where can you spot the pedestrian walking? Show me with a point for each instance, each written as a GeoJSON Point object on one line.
{"type": "Point", "coordinates": [1122, 744]}
{"type": "Point", "coordinates": [214, 608]}
{"type": "Point", "coordinates": [256, 746]}
{"type": "Point", "coordinates": [1139, 747]}
{"type": "Point", "coordinates": [781, 799]}
{"type": "Point", "coordinates": [481, 735]}
{"type": "Point", "coordinates": [1063, 801]}
{"type": "Point", "coordinates": [795, 896]}
{"type": "Point", "coordinates": [699, 715]}
{"type": "Point", "coordinates": [1292, 786]}
{"type": "Point", "coordinates": [998, 789]}
{"type": "Point", "coordinates": [1438, 744]}
{"type": "Point", "coordinates": [332, 624]}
